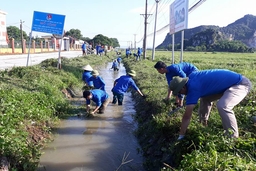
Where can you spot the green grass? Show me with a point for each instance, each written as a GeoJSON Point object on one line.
{"type": "Point", "coordinates": [31, 103]}
{"type": "Point", "coordinates": [30, 97]}
{"type": "Point", "coordinates": [204, 148]}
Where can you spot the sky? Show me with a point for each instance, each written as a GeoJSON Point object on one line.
{"type": "Point", "coordinates": [124, 19]}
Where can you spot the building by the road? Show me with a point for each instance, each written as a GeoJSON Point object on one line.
{"type": "Point", "coordinates": [3, 30]}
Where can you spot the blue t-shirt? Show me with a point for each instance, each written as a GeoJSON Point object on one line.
{"type": "Point", "coordinates": [84, 46]}
{"type": "Point", "coordinates": [98, 47]}
{"type": "Point", "coordinates": [139, 51]}
{"type": "Point", "coordinates": [209, 82]}
{"type": "Point", "coordinates": [98, 96]}
{"type": "Point", "coordinates": [128, 51]}
{"type": "Point", "coordinates": [98, 82]}
{"type": "Point", "coordinates": [123, 83]}
{"type": "Point", "coordinates": [183, 70]}
{"type": "Point", "coordinates": [119, 59]}
{"type": "Point", "coordinates": [86, 76]}
{"type": "Point", "coordinates": [114, 64]}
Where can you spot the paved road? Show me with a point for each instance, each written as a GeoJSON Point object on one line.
{"type": "Point", "coordinates": [9, 61]}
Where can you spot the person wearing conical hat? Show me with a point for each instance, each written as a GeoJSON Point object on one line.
{"type": "Point", "coordinates": [121, 86]}
{"type": "Point", "coordinates": [87, 75]}
{"type": "Point", "coordinates": [226, 87]}
{"type": "Point", "coordinates": [97, 80]}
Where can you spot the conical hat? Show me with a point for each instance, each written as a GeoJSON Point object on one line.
{"type": "Point", "coordinates": [87, 68]}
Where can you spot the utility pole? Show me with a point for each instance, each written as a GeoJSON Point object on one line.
{"type": "Point", "coordinates": [134, 41]}
{"type": "Point", "coordinates": [153, 50]}
{"type": "Point", "coordinates": [146, 15]}
{"type": "Point", "coordinates": [21, 34]}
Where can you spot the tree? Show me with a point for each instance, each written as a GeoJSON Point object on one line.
{"type": "Point", "coordinates": [75, 33]}
{"type": "Point", "coordinates": [103, 40]}
{"type": "Point", "coordinates": [115, 42]}
{"type": "Point", "coordinates": [87, 39]}
{"type": "Point", "coordinates": [14, 32]}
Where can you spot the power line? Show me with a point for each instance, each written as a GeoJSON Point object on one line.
{"type": "Point", "coordinates": [200, 2]}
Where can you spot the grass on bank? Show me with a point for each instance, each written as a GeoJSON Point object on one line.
{"type": "Point", "coordinates": [204, 148]}
{"type": "Point", "coordinates": [31, 103]}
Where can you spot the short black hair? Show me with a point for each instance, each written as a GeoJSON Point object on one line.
{"type": "Point", "coordinates": [86, 93]}
{"type": "Point", "coordinates": [159, 65]}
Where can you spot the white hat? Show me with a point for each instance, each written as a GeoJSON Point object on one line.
{"type": "Point", "coordinates": [132, 73]}
{"type": "Point", "coordinates": [87, 68]}
{"type": "Point", "coordinates": [95, 73]}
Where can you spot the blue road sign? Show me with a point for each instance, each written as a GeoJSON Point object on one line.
{"type": "Point", "coordinates": [48, 23]}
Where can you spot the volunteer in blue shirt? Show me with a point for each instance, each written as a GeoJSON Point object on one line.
{"type": "Point", "coordinates": [115, 65]}
{"type": "Point", "coordinates": [139, 52]}
{"type": "Point", "coordinates": [87, 75]}
{"type": "Point", "coordinates": [98, 82]}
{"type": "Point", "coordinates": [183, 70]}
{"type": "Point", "coordinates": [84, 49]}
{"type": "Point", "coordinates": [127, 52]}
{"type": "Point", "coordinates": [119, 60]}
{"type": "Point", "coordinates": [121, 86]}
{"type": "Point", "coordinates": [98, 48]}
{"type": "Point", "coordinates": [100, 98]}
{"type": "Point", "coordinates": [226, 86]}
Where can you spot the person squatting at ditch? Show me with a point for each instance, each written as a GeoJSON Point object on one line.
{"type": "Point", "coordinates": [87, 75]}
{"type": "Point", "coordinates": [121, 86]}
{"type": "Point", "coordinates": [183, 70]}
{"type": "Point", "coordinates": [226, 86]}
{"type": "Point", "coordinates": [99, 97]}
{"type": "Point", "coordinates": [98, 82]}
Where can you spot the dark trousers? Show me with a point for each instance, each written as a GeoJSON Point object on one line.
{"type": "Point", "coordinates": [118, 97]}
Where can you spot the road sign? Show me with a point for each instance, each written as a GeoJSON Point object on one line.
{"type": "Point", "coordinates": [178, 16]}
{"type": "Point", "coordinates": [48, 23]}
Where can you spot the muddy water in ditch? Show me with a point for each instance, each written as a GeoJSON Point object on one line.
{"type": "Point", "coordinates": [103, 143]}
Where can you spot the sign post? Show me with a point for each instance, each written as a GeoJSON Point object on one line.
{"type": "Point", "coordinates": [47, 23]}
{"type": "Point", "coordinates": [178, 21]}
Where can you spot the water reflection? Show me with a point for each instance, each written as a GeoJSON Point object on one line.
{"type": "Point", "coordinates": [99, 143]}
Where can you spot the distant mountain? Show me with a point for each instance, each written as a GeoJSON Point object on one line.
{"type": "Point", "coordinates": [243, 29]}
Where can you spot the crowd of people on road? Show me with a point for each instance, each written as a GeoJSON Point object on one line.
{"type": "Point", "coordinates": [98, 50]}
